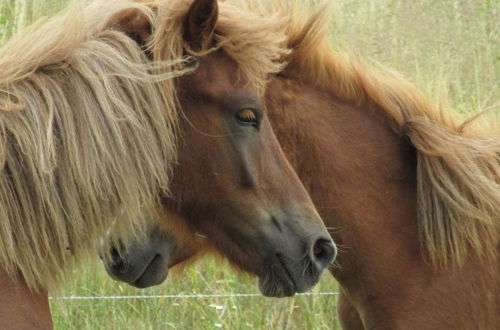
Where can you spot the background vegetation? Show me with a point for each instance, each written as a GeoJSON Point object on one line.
{"type": "Point", "coordinates": [446, 47]}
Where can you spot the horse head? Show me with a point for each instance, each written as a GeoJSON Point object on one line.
{"type": "Point", "coordinates": [232, 182]}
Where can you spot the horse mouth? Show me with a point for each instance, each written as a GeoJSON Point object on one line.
{"type": "Point", "coordinates": [143, 279]}
{"type": "Point", "coordinates": [293, 287]}
{"type": "Point", "coordinates": [279, 281]}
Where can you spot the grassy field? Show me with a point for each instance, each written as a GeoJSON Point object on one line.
{"type": "Point", "coordinates": [446, 47]}
{"type": "Point", "coordinates": [313, 312]}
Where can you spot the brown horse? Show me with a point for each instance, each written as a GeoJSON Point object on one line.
{"type": "Point", "coordinates": [412, 197]}
{"type": "Point", "coordinates": [89, 122]}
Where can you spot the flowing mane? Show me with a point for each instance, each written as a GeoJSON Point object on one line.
{"type": "Point", "coordinates": [88, 123]}
{"type": "Point", "coordinates": [87, 132]}
{"type": "Point", "coordinates": [458, 167]}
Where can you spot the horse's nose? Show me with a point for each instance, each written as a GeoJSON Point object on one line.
{"type": "Point", "coordinates": [119, 265]}
{"type": "Point", "coordinates": [322, 253]}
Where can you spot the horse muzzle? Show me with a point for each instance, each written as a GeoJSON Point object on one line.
{"type": "Point", "coordinates": [290, 271]}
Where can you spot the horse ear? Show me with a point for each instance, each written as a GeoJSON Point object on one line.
{"type": "Point", "coordinates": [134, 23]}
{"type": "Point", "coordinates": [199, 24]}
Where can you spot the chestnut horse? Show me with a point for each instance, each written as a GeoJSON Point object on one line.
{"type": "Point", "coordinates": [90, 121]}
{"type": "Point", "coordinates": [411, 196]}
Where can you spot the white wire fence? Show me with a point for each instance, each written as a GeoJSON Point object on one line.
{"type": "Point", "coordinates": [183, 296]}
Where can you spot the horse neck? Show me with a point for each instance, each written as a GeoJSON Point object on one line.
{"type": "Point", "coordinates": [361, 176]}
{"type": "Point", "coordinates": [21, 308]}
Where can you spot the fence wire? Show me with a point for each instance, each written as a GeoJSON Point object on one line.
{"type": "Point", "coordinates": [184, 296]}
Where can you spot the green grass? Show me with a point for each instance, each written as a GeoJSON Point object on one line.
{"type": "Point", "coordinates": [314, 312]}
{"type": "Point", "coordinates": [16, 14]}
{"type": "Point", "coordinates": [445, 47]}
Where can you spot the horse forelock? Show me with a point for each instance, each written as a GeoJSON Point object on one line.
{"type": "Point", "coordinates": [458, 171]}
{"type": "Point", "coordinates": [256, 42]}
{"type": "Point", "coordinates": [87, 135]}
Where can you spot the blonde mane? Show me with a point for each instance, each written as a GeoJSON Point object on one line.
{"type": "Point", "coordinates": [87, 135]}
{"type": "Point", "coordinates": [458, 171]}
{"type": "Point", "coordinates": [88, 124]}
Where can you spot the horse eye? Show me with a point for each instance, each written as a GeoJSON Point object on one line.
{"type": "Point", "coordinates": [247, 117]}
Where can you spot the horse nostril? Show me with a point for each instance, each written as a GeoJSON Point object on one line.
{"type": "Point", "coordinates": [323, 253]}
{"type": "Point", "coordinates": [119, 264]}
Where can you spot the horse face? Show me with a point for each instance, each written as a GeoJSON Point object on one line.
{"type": "Point", "coordinates": [238, 189]}
{"type": "Point", "coordinates": [232, 182]}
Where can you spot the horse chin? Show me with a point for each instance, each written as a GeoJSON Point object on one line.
{"type": "Point", "coordinates": [155, 273]}
{"type": "Point", "coordinates": [140, 270]}
{"type": "Point", "coordinates": [142, 264]}
{"type": "Point", "coordinates": [285, 277]}
{"type": "Point", "coordinates": [278, 288]}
